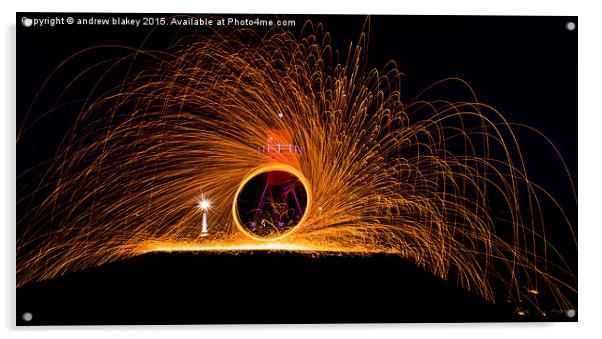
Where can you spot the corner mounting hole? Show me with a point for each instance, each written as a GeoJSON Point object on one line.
{"type": "Point", "coordinates": [27, 316]}
{"type": "Point", "coordinates": [571, 26]}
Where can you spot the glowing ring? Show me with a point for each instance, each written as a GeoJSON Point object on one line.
{"type": "Point", "coordinates": [268, 168]}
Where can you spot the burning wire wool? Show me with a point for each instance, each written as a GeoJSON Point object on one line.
{"type": "Point", "coordinates": [156, 164]}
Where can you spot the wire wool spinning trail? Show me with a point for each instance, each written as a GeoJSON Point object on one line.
{"type": "Point", "coordinates": [412, 179]}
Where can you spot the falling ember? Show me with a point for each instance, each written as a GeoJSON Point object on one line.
{"type": "Point", "coordinates": [346, 167]}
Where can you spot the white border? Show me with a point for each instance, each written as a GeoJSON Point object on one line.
{"type": "Point", "coordinates": [589, 166]}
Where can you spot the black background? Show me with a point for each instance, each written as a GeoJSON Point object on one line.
{"type": "Point", "coordinates": [525, 67]}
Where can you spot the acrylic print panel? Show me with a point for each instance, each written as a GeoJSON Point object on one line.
{"type": "Point", "coordinates": [201, 169]}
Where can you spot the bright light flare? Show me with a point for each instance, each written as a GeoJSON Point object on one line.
{"type": "Point", "coordinates": [204, 204]}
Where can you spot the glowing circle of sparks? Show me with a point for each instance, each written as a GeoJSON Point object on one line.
{"type": "Point", "coordinates": [263, 169]}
